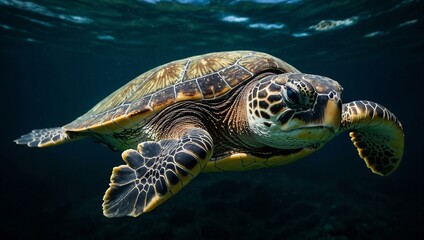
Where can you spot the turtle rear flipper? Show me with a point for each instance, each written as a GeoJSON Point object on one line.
{"type": "Point", "coordinates": [155, 172]}
{"type": "Point", "coordinates": [376, 133]}
{"type": "Point", "coordinates": [44, 137]}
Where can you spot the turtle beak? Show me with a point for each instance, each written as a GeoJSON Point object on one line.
{"type": "Point", "coordinates": [332, 116]}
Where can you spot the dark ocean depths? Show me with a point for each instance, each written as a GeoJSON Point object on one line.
{"type": "Point", "coordinates": [59, 58]}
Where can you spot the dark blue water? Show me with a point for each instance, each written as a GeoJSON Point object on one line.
{"type": "Point", "coordinates": [59, 58]}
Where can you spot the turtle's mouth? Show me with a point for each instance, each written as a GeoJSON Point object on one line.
{"type": "Point", "coordinates": [311, 137]}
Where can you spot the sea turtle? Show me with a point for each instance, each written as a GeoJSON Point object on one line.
{"type": "Point", "coordinates": [223, 111]}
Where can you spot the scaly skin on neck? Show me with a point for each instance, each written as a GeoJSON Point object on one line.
{"type": "Point", "coordinates": [225, 118]}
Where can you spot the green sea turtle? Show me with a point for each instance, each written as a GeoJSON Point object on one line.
{"type": "Point", "coordinates": [224, 111]}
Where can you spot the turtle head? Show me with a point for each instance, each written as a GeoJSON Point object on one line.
{"type": "Point", "coordinates": [294, 110]}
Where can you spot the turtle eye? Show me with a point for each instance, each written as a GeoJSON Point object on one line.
{"type": "Point", "coordinates": [292, 97]}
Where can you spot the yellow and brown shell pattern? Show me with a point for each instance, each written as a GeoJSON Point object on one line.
{"type": "Point", "coordinates": [201, 77]}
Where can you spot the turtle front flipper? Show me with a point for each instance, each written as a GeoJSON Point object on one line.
{"type": "Point", "coordinates": [376, 133]}
{"type": "Point", "coordinates": [155, 172]}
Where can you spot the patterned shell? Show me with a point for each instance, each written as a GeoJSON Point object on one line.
{"type": "Point", "coordinates": [195, 78]}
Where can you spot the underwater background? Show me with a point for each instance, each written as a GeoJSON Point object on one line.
{"type": "Point", "coordinates": [59, 58]}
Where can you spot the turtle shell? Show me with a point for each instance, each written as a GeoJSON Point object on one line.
{"type": "Point", "coordinates": [200, 77]}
